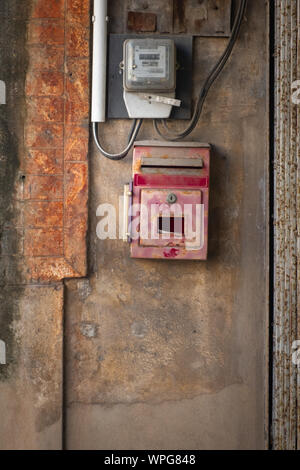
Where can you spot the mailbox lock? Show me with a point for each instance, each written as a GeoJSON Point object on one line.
{"type": "Point", "coordinates": [171, 198]}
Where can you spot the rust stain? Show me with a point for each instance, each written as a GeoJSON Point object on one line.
{"type": "Point", "coordinates": [48, 269]}
{"type": "Point", "coordinates": [141, 22]}
{"type": "Point", "coordinates": [58, 93]}
{"type": "Point", "coordinates": [286, 410]}
{"type": "Point", "coordinates": [48, 9]}
{"type": "Point", "coordinates": [76, 182]}
{"type": "Point", "coordinates": [179, 15]}
{"type": "Point", "coordinates": [137, 165]}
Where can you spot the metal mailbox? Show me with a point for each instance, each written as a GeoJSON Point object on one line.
{"type": "Point", "coordinates": [166, 215]}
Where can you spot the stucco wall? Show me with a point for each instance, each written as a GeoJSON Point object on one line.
{"type": "Point", "coordinates": [157, 354]}
{"type": "Point", "coordinates": [172, 355]}
{"type": "Point", "coordinates": [30, 316]}
{"type": "Point", "coordinates": [43, 200]}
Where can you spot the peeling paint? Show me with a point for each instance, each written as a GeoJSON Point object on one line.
{"type": "Point", "coordinates": [84, 288]}
{"type": "Point", "coordinates": [89, 330]}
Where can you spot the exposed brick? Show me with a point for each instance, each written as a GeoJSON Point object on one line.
{"type": "Point", "coordinates": [77, 41]}
{"type": "Point", "coordinates": [48, 162]}
{"type": "Point", "coordinates": [76, 143]}
{"type": "Point", "coordinates": [43, 187]}
{"type": "Point", "coordinates": [46, 58]}
{"type": "Point", "coordinates": [48, 9]}
{"type": "Point", "coordinates": [45, 109]}
{"type": "Point", "coordinates": [44, 214]}
{"type": "Point", "coordinates": [46, 32]}
{"type": "Point", "coordinates": [77, 111]}
{"type": "Point", "coordinates": [78, 11]}
{"type": "Point", "coordinates": [77, 81]}
{"type": "Point", "coordinates": [48, 269]}
{"type": "Point", "coordinates": [76, 196]}
{"type": "Point", "coordinates": [141, 22]}
{"type": "Point", "coordinates": [43, 242]}
{"type": "Point", "coordinates": [44, 83]}
{"type": "Point", "coordinates": [44, 135]}
{"type": "Point", "coordinates": [57, 89]}
{"type": "Point", "coordinates": [76, 182]}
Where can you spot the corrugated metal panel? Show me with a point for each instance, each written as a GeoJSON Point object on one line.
{"type": "Point", "coordinates": [287, 228]}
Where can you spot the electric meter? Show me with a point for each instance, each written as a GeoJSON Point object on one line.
{"type": "Point", "coordinates": [149, 65]}
{"type": "Point", "coordinates": [149, 77]}
{"type": "Point", "coordinates": [149, 82]}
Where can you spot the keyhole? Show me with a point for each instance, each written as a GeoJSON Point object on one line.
{"type": "Point", "coordinates": [172, 198]}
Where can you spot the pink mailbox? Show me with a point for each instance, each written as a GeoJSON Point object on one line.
{"type": "Point", "coordinates": [168, 214]}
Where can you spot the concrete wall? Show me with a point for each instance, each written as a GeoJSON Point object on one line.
{"type": "Point", "coordinates": [168, 355]}
{"type": "Point", "coordinates": [157, 354]}
{"type": "Point", "coordinates": [44, 133]}
{"type": "Point", "coordinates": [31, 395]}
{"type": "Point", "coordinates": [30, 316]}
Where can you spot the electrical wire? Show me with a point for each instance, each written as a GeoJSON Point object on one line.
{"type": "Point", "coordinates": [136, 125]}
{"type": "Point", "coordinates": [131, 130]}
{"type": "Point", "coordinates": [173, 136]}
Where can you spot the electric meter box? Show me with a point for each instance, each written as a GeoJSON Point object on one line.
{"type": "Point", "coordinates": [149, 65]}
{"type": "Point", "coordinates": [149, 77]}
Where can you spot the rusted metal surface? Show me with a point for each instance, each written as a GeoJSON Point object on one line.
{"type": "Point", "coordinates": [197, 17]}
{"type": "Point", "coordinates": [202, 18]}
{"type": "Point", "coordinates": [118, 14]}
{"type": "Point", "coordinates": [287, 212]}
{"type": "Point", "coordinates": [164, 20]}
{"type": "Point", "coordinates": [141, 22]}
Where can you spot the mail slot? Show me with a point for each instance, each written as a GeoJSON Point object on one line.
{"type": "Point", "coordinates": [167, 214]}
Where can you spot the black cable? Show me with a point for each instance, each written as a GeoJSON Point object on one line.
{"type": "Point", "coordinates": [173, 136]}
{"type": "Point", "coordinates": [131, 130]}
{"type": "Point", "coordinates": [132, 137]}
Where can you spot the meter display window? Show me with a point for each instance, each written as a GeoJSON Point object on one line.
{"type": "Point", "coordinates": [149, 64]}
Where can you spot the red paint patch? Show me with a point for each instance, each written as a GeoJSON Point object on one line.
{"type": "Point", "coordinates": [171, 253]}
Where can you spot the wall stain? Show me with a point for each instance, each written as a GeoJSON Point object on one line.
{"type": "Point", "coordinates": [13, 66]}
{"type": "Point", "coordinates": [171, 331]}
